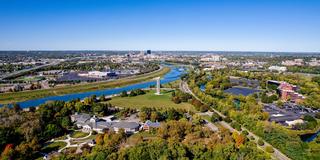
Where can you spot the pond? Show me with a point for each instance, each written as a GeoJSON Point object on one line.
{"type": "Point", "coordinates": [309, 137]}
{"type": "Point", "coordinates": [241, 91]}
{"type": "Point", "coordinates": [171, 76]}
{"type": "Point", "coordinates": [203, 87]}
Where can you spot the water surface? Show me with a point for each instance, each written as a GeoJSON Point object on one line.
{"type": "Point", "coordinates": [173, 75]}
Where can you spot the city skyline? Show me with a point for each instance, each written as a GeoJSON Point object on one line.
{"type": "Point", "coordinates": [270, 26]}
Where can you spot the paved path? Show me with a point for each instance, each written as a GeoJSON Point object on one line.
{"type": "Point", "coordinates": [211, 126]}
{"type": "Point", "coordinates": [69, 139]}
{"type": "Point", "coordinates": [276, 155]}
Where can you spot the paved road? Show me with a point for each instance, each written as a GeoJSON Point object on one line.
{"type": "Point", "coordinates": [27, 70]}
{"type": "Point", "coordinates": [276, 155]}
{"type": "Point", "coordinates": [34, 68]}
{"type": "Point", "coordinates": [211, 126]}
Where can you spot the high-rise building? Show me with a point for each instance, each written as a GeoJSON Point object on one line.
{"type": "Point", "coordinates": [148, 51]}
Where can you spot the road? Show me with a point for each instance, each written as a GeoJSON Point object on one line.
{"type": "Point", "coordinates": [35, 68]}
{"type": "Point", "coordinates": [29, 69]}
{"type": "Point", "coordinates": [275, 155]}
{"type": "Point", "coordinates": [211, 126]}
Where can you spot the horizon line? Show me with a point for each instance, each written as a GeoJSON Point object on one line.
{"type": "Point", "coordinates": [135, 50]}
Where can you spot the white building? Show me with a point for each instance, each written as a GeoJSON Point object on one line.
{"type": "Point", "coordinates": [211, 58]}
{"type": "Point", "coordinates": [294, 122]}
{"type": "Point", "coordinates": [92, 123]}
{"type": "Point", "coordinates": [94, 74]}
{"type": "Point", "coordinates": [277, 68]}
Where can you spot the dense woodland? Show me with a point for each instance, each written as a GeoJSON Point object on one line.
{"type": "Point", "coordinates": [250, 115]}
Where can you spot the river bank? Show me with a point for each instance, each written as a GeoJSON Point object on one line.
{"type": "Point", "coordinates": [14, 97]}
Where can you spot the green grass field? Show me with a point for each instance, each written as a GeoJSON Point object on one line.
{"type": "Point", "coordinates": [30, 78]}
{"type": "Point", "coordinates": [78, 134]}
{"type": "Point", "coordinates": [150, 100]}
{"type": "Point", "coordinates": [6, 98]}
{"type": "Point", "coordinates": [53, 147]}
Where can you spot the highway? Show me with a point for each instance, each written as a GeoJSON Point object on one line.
{"type": "Point", "coordinates": [3, 77]}
{"type": "Point", "coordinates": [27, 70]}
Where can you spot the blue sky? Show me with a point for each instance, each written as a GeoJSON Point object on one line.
{"type": "Point", "coordinates": [229, 25]}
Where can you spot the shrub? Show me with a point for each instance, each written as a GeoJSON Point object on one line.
{"type": "Point", "coordinates": [252, 138]}
{"type": "Point", "coordinates": [215, 117]}
{"type": "Point", "coordinates": [245, 132]}
{"type": "Point", "coordinates": [317, 115]}
{"type": "Point", "coordinates": [124, 94]}
{"type": "Point", "coordinates": [236, 125]}
{"type": "Point", "coordinates": [269, 149]}
{"type": "Point", "coordinates": [176, 100]}
{"type": "Point", "coordinates": [227, 119]}
{"type": "Point", "coordinates": [260, 142]}
{"type": "Point", "coordinates": [204, 108]}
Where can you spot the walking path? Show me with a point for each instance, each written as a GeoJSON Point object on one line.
{"type": "Point", "coordinates": [69, 139]}
{"type": "Point", "coordinates": [275, 155]}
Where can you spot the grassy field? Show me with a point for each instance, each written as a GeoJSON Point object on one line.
{"type": "Point", "coordinates": [6, 98]}
{"type": "Point", "coordinates": [53, 147]}
{"type": "Point", "coordinates": [78, 134]}
{"type": "Point", "coordinates": [30, 78]}
{"type": "Point", "coordinates": [174, 84]}
{"type": "Point", "coordinates": [150, 100]}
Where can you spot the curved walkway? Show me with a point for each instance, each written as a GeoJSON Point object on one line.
{"type": "Point", "coordinates": [69, 139]}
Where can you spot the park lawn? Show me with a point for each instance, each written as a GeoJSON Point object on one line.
{"type": "Point", "coordinates": [206, 117]}
{"type": "Point", "coordinates": [150, 100]}
{"type": "Point", "coordinates": [53, 147]}
{"type": "Point", "coordinates": [78, 134]}
{"type": "Point", "coordinates": [30, 78]}
{"type": "Point", "coordinates": [12, 97]}
{"type": "Point", "coordinates": [174, 84]}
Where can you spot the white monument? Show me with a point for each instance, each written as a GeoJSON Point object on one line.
{"type": "Point", "coordinates": [157, 86]}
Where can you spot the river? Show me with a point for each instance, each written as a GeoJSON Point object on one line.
{"type": "Point", "coordinates": [171, 76]}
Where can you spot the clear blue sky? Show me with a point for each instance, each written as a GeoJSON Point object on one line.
{"type": "Point", "coordinates": [230, 25]}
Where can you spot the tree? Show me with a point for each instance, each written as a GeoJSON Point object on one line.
{"type": "Point", "coordinates": [245, 132]}
{"type": "Point", "coordinates": [238, 138]}
{"type": "Point", "coordinates": [196, 119]}
{"type": "Point", "coordinates": [204, 108]}
{"type": "Point", "coordinates": [32, 109]}
{"type": "Point", "coordinates": [66, 122]}
{"type": "Point", "coordinates": [176, 100]}
{"type": "Point", "coordinates": [154, 116]}
{"type": "Point", "coordinates": [172, 114]}
{"type": "Point", "coordinates": [124, 94]}
{"type": "Point", "coordinates": [88, 100]}
{"type": "Point", "coordinates": [317, 115]}
{"type": "Point", "coordinates": [79, 106]}
{"type": "Point", "coordinates": [7, 152]}
{"type": "Point", "coordinates": [132, 94]}
{"type": "Point", "coordinates": [16, 107]}
{"type": "Point", "coordinates": [102, 98]}
{"type": "Point", "coordinates": [143, 116]}
{"type": "Point", "coordinates": [215, 117]}
{"type": "Point", "coordinates": [260, 142]}
{"type": "Point", "coordinates": [269, 149]}
{"type": "Point", "coordinates": [99, 139]}
{"type": "Point", "coordinates": [52, 130]}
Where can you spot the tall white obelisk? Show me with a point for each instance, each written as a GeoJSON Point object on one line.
{"type": "Point", "coordinates": [158, 86]}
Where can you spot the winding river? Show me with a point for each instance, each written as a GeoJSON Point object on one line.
{"type": "Point", "coordinates": [171, 76]}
